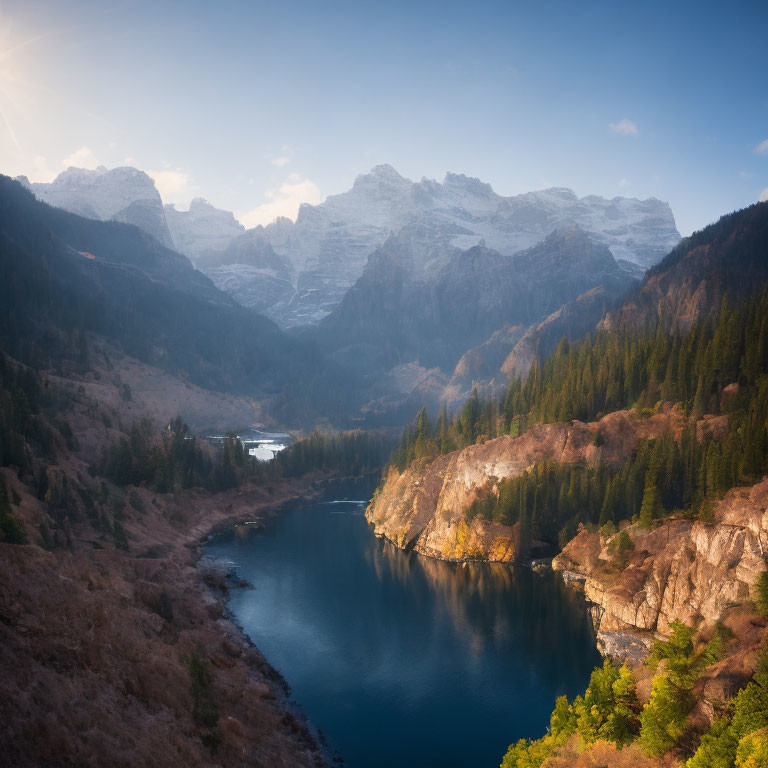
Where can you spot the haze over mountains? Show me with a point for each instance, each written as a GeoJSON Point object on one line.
{"type": "Point", "coordinates": [323, 253]}
{"type": "Point", "coordinates": [424, 288]}
{"type": "Point", "coordinates": [123, 194]}
{"type": "Point", "coordinates": [68, 278]}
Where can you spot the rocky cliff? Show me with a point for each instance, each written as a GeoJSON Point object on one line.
{"type": "Point", "coordinates": [425, 506]}
{"type": "Point", "coordinates": [201, 230]}
{"type": "Point", "coordinates": [684, 570]}
{"type": "Point", "coordinates": [123, 194]}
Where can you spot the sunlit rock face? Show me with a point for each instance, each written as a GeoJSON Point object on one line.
{"type": "Point", "coordinates": [425, 507]}
{"type": "Point", "coordinates": [203, 231]}
{"type": "Point", "coordinates": [684, 570]}
{"type": "Point", "coordinates": [123, 194]}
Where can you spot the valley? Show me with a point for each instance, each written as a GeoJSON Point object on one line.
{"type": "Point", "coordinates": [582, 469]}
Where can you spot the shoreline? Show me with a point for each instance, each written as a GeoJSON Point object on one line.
{"type": "Point", "coordinates": [116, 666]}
{"type": "Point", "coordinates": [262, 516]}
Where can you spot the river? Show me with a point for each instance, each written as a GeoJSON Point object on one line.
{"type": "Point", "coordinates": [402, 661]}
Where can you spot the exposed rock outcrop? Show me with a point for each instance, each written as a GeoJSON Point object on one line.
{"type": "Point", "coordinates": [683, 570]}
{"type": "Point", "coordinates": [123, 194]}
{"type": "Point", "coordinates": [425, 506]}
{"type": "Point", "coordinates": [201, 230]}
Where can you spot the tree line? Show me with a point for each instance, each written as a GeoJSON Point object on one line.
{"type": "Point", "coordinates": [353, 452]}
{"type": "Point", "coordinates": [174, 457]}
{"type": "Point", "coordinates": [719, 367]}
{"type": "Point", "coordinates": [610, 710]}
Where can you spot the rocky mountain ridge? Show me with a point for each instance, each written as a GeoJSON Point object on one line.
{"type": "Point", "coordinates": [121, 194]}
{"type": "Point", "coordinates": [201, 230]}
{"type": "Point", "coordinates": [329, 244]}
{"type": "Point", "coordinates": [317, 258]}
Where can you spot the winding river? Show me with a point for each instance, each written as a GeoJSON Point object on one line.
{"type": "Point", "coordinates": [402, 661]}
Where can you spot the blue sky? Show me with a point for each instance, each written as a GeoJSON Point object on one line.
{"type": "Point", "coordinates": [259, 105]}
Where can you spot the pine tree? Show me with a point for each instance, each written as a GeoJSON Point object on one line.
{"type": "Point", "coordinates": [650, 505]}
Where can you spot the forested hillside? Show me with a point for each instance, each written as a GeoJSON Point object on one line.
{"type": "Point", "coordinates": [716, 367]}
{"type": "Point", "coordinates": [66, 276]}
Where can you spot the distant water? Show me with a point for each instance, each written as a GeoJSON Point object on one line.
{"type": "Point", "coordinates": [403, 661]}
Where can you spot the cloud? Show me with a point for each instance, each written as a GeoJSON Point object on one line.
{"type": "Point", "coordinates": [171, 184]}
{"type": "Point", "coordinates": [41, 170]}
{"type": "Point", "coordinates": [80, 158]}
{"type": "Point", "coordinates": [764, 195]}
{"type": "Point", "coordinates": [762, 148]}
{"type": "Point", "coordinates": [625, 127]}
{"type": "Point", "coordinates": [623, 182]}
{"type": "Point", "coordinates": [282, 159]}
{"type": "Point", "coordinates": [283, 201]}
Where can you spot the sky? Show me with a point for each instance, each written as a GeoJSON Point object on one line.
{"type": "Point", "coordinates": [259, 106]}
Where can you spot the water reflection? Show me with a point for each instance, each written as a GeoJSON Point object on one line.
{"type": "Point", "coordinates": [485, 601]}
{"type": "Point", "coordinates": [402, 660]}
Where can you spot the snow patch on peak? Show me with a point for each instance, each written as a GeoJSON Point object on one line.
{"type": "Point", "coordinates": [126, 194]}
{"type": "Point", "coordinates": [381, 177]}
{"type": "Point", "coordinates": [329, 245]}
{"type": "Point", "coordinates": [385, 170]}
{"type": "Point", "coordinates": [469, 184]}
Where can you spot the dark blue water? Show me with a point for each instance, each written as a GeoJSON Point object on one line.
{"type": "Point", "coordinates": [400, 660]}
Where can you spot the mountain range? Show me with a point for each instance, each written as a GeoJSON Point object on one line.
{"type": "Point", "coordinates": [296, 272]}
{"type": "Point", "coordinates": [68, 278]}
{"type": "Point", "coordinates": [421, 289]}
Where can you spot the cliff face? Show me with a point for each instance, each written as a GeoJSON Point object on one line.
{"type": "Point", "coordinates": [425, 506]}
{"type": "Point", "coordinates": [123, 194]}
{"type": "Point", "coordinates": [683, 570]}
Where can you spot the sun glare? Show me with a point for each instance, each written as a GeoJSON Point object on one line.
{"type": "Point", "coordinates": [14, 84]}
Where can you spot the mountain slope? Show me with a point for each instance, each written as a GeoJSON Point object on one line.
{"type": "Point", "coordinates": [250, 271]}
{"type": "Point", "coordinates": [401, 311]}
{"type": "Point", "coordinates": [66, 275]}
{"type": "Point", "coordinates": [123, 194]}
{"type": "Point", "coordinates": [728, 257]}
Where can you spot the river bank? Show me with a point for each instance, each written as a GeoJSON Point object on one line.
{"type": "Point", "coordinates": [124, 657]}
